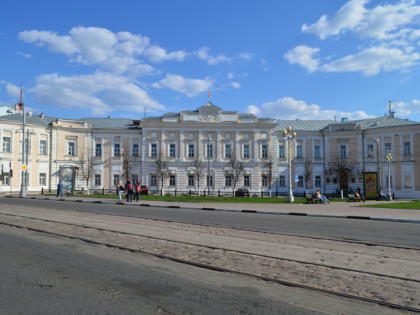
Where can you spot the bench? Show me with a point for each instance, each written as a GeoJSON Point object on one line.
{"type": "Point", "coordinates": [352, 197]}
{"type": "Point", "coordinates": [310, 199]}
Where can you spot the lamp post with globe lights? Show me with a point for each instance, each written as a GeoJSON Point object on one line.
{"type": "Point", "coordinates": [388, 158]}
{"type": "Point", "coordinates": [289, 136]}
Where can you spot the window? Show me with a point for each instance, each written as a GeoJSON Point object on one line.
{"type": "Point", "coordinates": [134, 178]}
{"type": "Point", "coordinates": [172, 151]}
{"type": "Point", "coordinates": [387, 181]}
{"type": "Point", "coordinates": [209, 181]}
{"type": "Point", "coordinates": [388, 148]}
{"type": "Point", "coordinates": [228, 151]}
{"type": "Point", "coordinates": [370, 151]}
{"type": "Point", "coordinates": [6, 178]}
{"type": "Point", "coordinates": [191, 180]}
{"type": "Point", "coordinates": [228, 181]}
{"type": "Point", "coordinates": [407, 149]}
{"type": "Point", "coordinates": [299, 151]}
{"type": "Point", "coordinates": [71, 148]}
{"type": "Point", "coordinates": [135, 149]}
{"type": "Point", "coordinates": [43, 147]}
{"type": "Point", "coordinates": [281, 151]}
{"type": "Point", "coordinates": [264, 181]}
{"type": "Point", "coordinates": [282, 181]}
{"type": "Point", "coordinates": [300, 181]}
{"type": "Point", "coordinates": [246, 180]}
{"type": "Point", "coordinates": [246, 151]}
{"type": "Point", "coordinates": [343, 151]}
{"type": "Point", "coordinates": [407, 181]}
{"type": "Point", "coordinates": [153, 150]}
{"type": "Point", "coordinates": [42, 179]}
{"type": "Point", "coordinates": [98, 149]}
{"type": "Point", "coordinates": [116, 179]}
{"type": "Point", "coordinates": [117, 149]}
{"type": "Point", "coordinates": [191, 150]}
{"type": "Point", "coordinates": [264, 151]}
{"type": "Point", "coordinates": [153, 181]}
{"type": "Point", "coordinates": [6, 144]}
{"type": "Point", "coordinates": [97, 179]}
{"type": "Point", "coordinates": [317, 151]}
{"type": "Point", "coordinates": [317, 181]}
{"type": "Point", "coordinates": [209, 150]}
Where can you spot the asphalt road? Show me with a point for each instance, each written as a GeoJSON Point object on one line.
{"type": "Point", "coordinates": [401, 234]}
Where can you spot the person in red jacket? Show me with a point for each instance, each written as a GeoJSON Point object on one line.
{"type": "Point", "coordinates": [129, 191]}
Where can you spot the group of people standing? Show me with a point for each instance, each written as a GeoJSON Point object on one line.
{"type": "Point", "coordinates": [130, 189]}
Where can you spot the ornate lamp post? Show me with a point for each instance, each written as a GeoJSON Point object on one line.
{"type": "Point", "coordinates": [289, 136]}
{"type": "Point", "coordinates": [378, 143]}
{"type": "Point", "coordinates": [388, 158]}
{"type": "Point", "coordinates": [24, 173]}
{"type": "Point", "coordinates": [208, 141]}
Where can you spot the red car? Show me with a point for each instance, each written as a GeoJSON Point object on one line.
{"type": "Point", "coordinates": [144, 190]}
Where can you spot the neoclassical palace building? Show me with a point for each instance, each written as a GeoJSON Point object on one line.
{"type": "Point", "coordinates": [211, 150]}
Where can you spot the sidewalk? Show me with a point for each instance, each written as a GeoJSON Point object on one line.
{"type": "Point", "coordinates": [350, 210]}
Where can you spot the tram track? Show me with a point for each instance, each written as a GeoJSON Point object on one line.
{"type": "Point", "coordinates": [124, 233]}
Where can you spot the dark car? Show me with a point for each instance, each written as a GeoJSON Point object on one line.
{"type": "Point", "coordinates": [242, 192]}
{"type": "Point", "coordinates": [144, 190]}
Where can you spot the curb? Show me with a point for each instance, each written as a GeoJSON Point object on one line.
{"type": "Point", "coordinates": [353, 217]}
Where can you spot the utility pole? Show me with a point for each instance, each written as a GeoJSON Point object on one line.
{"type": "Point", "coordinates": [23, 182]}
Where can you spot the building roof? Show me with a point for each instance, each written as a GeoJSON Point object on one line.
{"type": "Point", "coordinates": [304, 125]}
{"type": "Point", "coordinates": [110, 123]}
{"type": "Point", "coordinates": [30, 119]}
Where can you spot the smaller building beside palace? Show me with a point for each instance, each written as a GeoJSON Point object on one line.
{"type": "Point", "coordinates": [210, 150]}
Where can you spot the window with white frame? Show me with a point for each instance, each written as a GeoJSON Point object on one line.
{"type": "Point", "coordinates": [43, 147]}
{"type": "Point", "coordinates": [388, 180]}
{"type": "Point", "coordinates": [191, 180]}
{"type": "Point", "coordinates": [246, 181]}
{"type": "Point", "coordinates": [246, 151]}
{"type": "Point", "coordinates": [281, 151]}
{"type": "Point", "coordinates": [6, 144]}
{"type": "Point", "coordinates": [172, 150]}
{"type": "Point", "coordinates": [228, 181]}
{"type": "Point", "coordinates": [317, 181]}
{"type": "Point", "coordinates": [117, 150]}
{"type": "Point", "coordinates": [71, 147]}
{"type": "Point", "coordinates": [116, 179]}
{"type": "Point", "coordinates": [135, 149]}
{"type": "Point", "coordinates": [407, 148]}
{"type": "Point", "coordinates": [153, 150]}
{"type": "Point", "coordinates": [98, 149]}
{"type": "Point", "coordinates": [42, 179]}
{"type": "Point", "coordinates": [134, 178]}
{"type": "Point", "coordinates": [209, 180]}
{"type": "Point", "coordinates": [317, 151]}
{"type": "Point", "coordinates": [191, 150]}
{"type": "Point", "coordinates": [228, 150]}
{"type": "Point", "coordinates": [209, 150]}
{"type": "Point", "coordinates": [6, 178]}
{"type": "Point", "coordinates": [388, 147]}
{"type": "Point", "coordinates": [299, 151]}
{"type": "Point", "coordinates": [97, 179]}
{"type": "Point", "coordinates": [153, 180]}
{"type": "Point", "coordinates": [300, 181]}
{"type": "Point", "coordinates": [407, 181]}
{"type": "Point", "coordinates": [264, 181]}
{"type": "Point", "coordinates": [282, 181]}
{"type": "Point", "coordinates": [343, 151]}
{"type": "Point", "coordinates": [264, 151]}
{"type": "Point", "coordinates": [370, 150]}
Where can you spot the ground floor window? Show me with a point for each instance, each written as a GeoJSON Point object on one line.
{"type": "Point", "coordinates": [42, 179]}
{"type": "Point", "coordinates": [228, 181]}
{"type": "Point", "coordinates": [191, 180]}
{"type": "Point", "coordinates": [300, 181]}
{"type": "Point", "coordinates": [153, 181]}
{"type": "Point", "coordinates": [172, 180]}
{"type": "Point", "coordinates": [6, 178]}
{"type": "Point", "coordinates": [209, 181]}
{"type": "Point", "coordinates": [97, 179]}
{"type": "Point", "coordinates": [317, 181]}
{"type": "Point", "coordinates": [116, 179]}
{"type": "Point", "coordinates": [407, 181]}
{"type": "Point", "coordinates": [282, 181]}
{"type": "Point", "coordinates": [246, 181]}
{"type": "Point", "coordinates": [264, 181]}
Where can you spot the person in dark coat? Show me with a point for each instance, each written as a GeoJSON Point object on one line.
{"type": "Point", "coordinates": [60, 189]}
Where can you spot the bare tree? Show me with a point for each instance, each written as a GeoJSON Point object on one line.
{"type": "Point", "coordinates": [199, 168]}
{"type": "Point", "coordinates": [268, 170]}
{"type": "Point", "coordinates": [307, 172]}
{"type": "Point", "coordinates": [126, 164]}
{"type": "Point", "coordinates": [235, 171]}
{"type": "Point", "coordinates": [161, 167]}
{"type": "Point", "coordinates": [343, 168]}
{"type": "Point", "coordinates": [86, 168]}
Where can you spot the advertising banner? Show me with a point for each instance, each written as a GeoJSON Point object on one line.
{"type": "Point", "coordinates": [370, 184]}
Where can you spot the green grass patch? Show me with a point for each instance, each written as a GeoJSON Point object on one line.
{"type": "Point", "coordinates": [397, 205]}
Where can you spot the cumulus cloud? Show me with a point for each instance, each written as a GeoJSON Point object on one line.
{"type": "Point", "coordinates": [236, 85]}
{"type": "Point", "coordinates": [189, 87]}
{"type": "Point", "coordinates": [288, 108]}
{"type": "Point", "coordinates": [203, 54]}
{"type": "Point", "coordinates": [405, 109]}
{"type": "Point", "coordinates": [13, 90]}
{"type": "Point", "coordinates": [303, 56]}
{"type": "Point", "coordinates": [101, 92]}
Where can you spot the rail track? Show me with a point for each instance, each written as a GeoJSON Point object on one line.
{"type": "Point", "coordinates": [386, 275]}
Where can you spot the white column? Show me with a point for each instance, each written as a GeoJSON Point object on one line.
{"type": "Point", "coordinates": [200, 145]}
{"type": "Point", "coordinates": [219, 145]}
{"type": "Point", "coordinates": [162, 147]}
{"type": "Point", "coordinates": [181, 147]}
{"type": "Point", "coordinates": [255, 145]}
{"type": "Point", "coordinates": [237, 146]}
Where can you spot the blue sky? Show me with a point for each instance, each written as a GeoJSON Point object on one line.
{"type": "Point", "coordinates": [280, 59]}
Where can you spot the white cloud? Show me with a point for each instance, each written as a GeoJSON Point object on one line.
{"type": "Point", "coordinates": [288, 108]}
{"type": "Point", "coordinates": [304, 56]}
{"type": "Point", "coordinates": [27, 56]}
{"type": "Point", "coordinates": [246, 56]}
{"type": "Point", "coordinates": [236, 85]}
{"type": "Point", "coordinates": [158, 54]}
{"type": "Point", "coordinates": [13, 90]}
{"type": "Point", "coordinates": [101, 92]}
{"type": "Point", "coordinates": [230, 75]}
{"type": "Point", "coordinates": [406, 109]}
{"type": "Point", "coordinates": [203, 54]}
{"type": "Point", "coordinates": [347, 18]}
{"type": "Point", "coordinates": [189, 87]}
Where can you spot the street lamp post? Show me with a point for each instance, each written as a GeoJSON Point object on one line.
{"type": "Point", "coordinates": [289, 135]}
{"type": "Point", "coordinates": [23, 182]}
{"type": "Point", "coordinates": [388, 158]}
{"type": "Point", "coordinates": [208, 167]}
{"type": "Point", "coordinates": [378, 143]}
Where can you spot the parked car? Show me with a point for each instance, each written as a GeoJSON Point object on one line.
{"type": "Point", "coordinates": [242, 192]}
{"type": "Point", "coordinates": [144, 190]}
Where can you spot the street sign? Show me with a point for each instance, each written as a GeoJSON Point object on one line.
{"type": "Point", "coordinates": [296, 178]}
{"type": "Point", "coordinates": [24, 167]}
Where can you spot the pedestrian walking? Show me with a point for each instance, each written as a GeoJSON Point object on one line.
{"type": "Point", "coordinates": [137, 191]}
{"type": "Point", "coordinates": [60, 189]}
{"type": "Point", "coordinates": [129, 192]}
{"type": "Point", "coordinates": [120, 190]}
